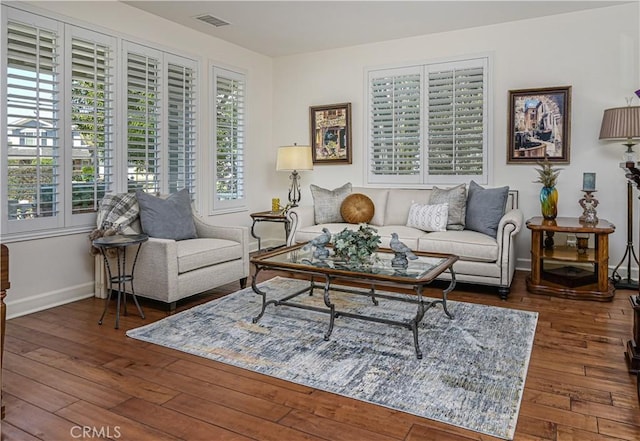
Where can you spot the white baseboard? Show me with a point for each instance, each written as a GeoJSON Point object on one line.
{"type": "Point", "coordinates": [40, 302]}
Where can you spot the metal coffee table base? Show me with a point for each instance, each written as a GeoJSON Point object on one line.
{"type": "Point", "coordinates": [422, 305]}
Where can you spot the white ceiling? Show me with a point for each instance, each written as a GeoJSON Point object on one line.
{"type": "Point", "coordinates": [279, 28]}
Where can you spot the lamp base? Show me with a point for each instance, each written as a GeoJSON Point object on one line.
{"type": "Point", "coordinates": [294, 189]}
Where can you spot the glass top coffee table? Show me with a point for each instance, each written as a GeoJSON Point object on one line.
{"type": "Point", "coordinates": [418, 274]}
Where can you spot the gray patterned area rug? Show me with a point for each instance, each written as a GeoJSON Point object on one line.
{"type": "Point", "coordinates": [472, 373]}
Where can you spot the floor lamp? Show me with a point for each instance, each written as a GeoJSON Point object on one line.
{"type": "Point", "coordinates": [294, 158]}
{"type": "Point", "coordinates": [623, 123]}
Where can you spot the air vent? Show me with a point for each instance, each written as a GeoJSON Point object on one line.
{"type": "Point", "coordinates": [210, 19]}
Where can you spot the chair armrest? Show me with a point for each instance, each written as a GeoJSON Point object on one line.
{"type": "Point", "coordinates": [299, 217]}
{"type": "Point", "coordinates": [235, 233]}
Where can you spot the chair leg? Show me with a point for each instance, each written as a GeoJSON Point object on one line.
{"type": "Point", "coordinates": [243, 283]}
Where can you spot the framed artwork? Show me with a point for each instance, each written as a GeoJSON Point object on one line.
{"type": "Point", "coordinates": [539, 125]}
{"type": "Point", "coordinates": [331, 134]}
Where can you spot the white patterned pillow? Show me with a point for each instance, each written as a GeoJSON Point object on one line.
{"type": "Point", "coordinates": [428, 217]}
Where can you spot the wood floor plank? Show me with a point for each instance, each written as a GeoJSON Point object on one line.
{"type": "Point", "coordinates": [35, 421]}
{"type": "Point", "coordinates": [202, 387]}
{"type": "Point", "coordinates": [61, 368]}
{"type": "Point", "coordinates": [133, 386]}
{"type": "Point", "coordinates": [35, 393]}
{"type": "Point", "coordinates": [114, 426]}
{"type": "Point", "coordinates": [330, 429]}
{"type": "Point", "coordinates": [71, 384]}
{"type": "Point", "coordinates": [174, 423]}
{"type": "Point", "coordinates": [235, 421]}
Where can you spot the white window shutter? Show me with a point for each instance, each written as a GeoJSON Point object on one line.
{"type": "Point", "coordinates": [394, 126]}
{"type": "Point", "coordinates": [33, 127]}
{"type": "Point", "coordinates": [229, 138]}
{"type": "Point", "coordinates": [181, 125]}
{"type": "Point", "coordinates": [143, 73]}
{"type": "Point", "coordinates": [92, 132]}
{"type": "Point", "coordinates": [456, 124]}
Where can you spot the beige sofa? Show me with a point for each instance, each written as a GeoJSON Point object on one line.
{"type": "Point", "coordinates": [482, 260]}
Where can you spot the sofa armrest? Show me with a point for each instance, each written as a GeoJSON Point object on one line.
{"type": "Point", "coordinates": [510, 224]}
{"type": "Point", "coordinates": [299, 217]}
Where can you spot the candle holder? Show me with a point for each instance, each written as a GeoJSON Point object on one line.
{"type": "Point", "coordinates": [589, 204]}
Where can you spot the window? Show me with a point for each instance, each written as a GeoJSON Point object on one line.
{"type": "Point", "coordinates": [428, 124]}
{"type": "Point", "coordinates": [33, 125]}
{"type": "Point", "coordinates": [65, 91]}
{"type": "Point", "coordinates": [161, 119]}
{"type": "Point", "coordinates": [229, 93]}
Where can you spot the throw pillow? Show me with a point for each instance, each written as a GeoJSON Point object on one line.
{"type": "Point", "coordinates": [357, 208]}
{"type": "Point", "coordinates": [169, 218]}
{"type": "Point", "coordinates": [456, 197]}
{"type": "Point", "coordinates": [327, 203]}
{"type": "Point", "coordinates": [485, 208]}
{"type": "Point", "coordinates": [428, 217]}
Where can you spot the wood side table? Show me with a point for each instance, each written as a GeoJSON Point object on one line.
{"type": "Point", "coordinates": [270, 216]}
{"type": "Point", "coordinates": [580, 273]}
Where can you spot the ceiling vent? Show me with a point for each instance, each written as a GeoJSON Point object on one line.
{"type": "Point", "coordinates": [210, 19]}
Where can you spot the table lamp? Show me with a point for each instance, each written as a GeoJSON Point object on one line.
{"type": "Point", "coordinates": [294, 158]}
{"type": "Point", "coordinates": [623, 123]}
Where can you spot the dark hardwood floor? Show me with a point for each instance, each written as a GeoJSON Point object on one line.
{"type": "Point", "coordinates": [66, 378]}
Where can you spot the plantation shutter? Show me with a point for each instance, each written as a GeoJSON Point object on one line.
{"type": "Point", "coordinates": [229, 130]}
{"type": "Point", "coordinates": [181, 128]}
{"type": "Point", "coordinates": [394, 126]}
{"type": "Point", "coordinates": [91, 123]}
{"type": "Point", "coordinates": [33, 148]}
{"type": "Point", "coordinates": [143, 73]}
{"type": "Point", "coordinates": [456, 119]}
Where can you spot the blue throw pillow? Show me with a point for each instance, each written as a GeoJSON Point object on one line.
{"type": "Point", "coordinates": [485, 208]}
{"type": "Point", "coordinates": [169, 218]}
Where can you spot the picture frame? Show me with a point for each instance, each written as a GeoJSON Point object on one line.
{"type": "Point", "coordinates": [539, 125]}
{"type": "Point", "coordinates": [331, 133]}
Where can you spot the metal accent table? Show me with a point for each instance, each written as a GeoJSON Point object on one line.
{"type": "Point", "coordinates": [418, 274]}
{"type": "Point", "coordinates": [270, 216]}
{"type": "Point", "coordinates": [119, 243]}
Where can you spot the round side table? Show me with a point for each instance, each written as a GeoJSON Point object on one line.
{"type": "Point", "coordinates": [119, 243]}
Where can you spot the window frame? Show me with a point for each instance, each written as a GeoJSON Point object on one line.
{"type": "Point", "coordinates": [423, 179]}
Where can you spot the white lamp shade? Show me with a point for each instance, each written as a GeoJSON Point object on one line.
{"type": "Point", "coordinates": [294, 158]}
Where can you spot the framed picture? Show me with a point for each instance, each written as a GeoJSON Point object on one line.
{"type": "Point", "coordinates": [331, 133]}
{"type": "Point", "coordinates": [539, 125]}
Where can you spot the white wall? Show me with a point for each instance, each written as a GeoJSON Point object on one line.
{"type": "Point", "coordinates": [52, 271]}
{"type": "Point", "coordinates": [595, 51]}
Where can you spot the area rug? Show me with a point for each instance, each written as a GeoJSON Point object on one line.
{"type": "Point", "coordinates": [472, 373]}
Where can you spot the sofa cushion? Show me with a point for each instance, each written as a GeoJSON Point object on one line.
{"type": "Point", "coordinates": [167, 218]}
{"type": "Point", "coordinates": [203, 252]}
{"type": "Point", "coordinates": [485, 208]}
{"type": "Point", "coordinates": [379, 198]}
{"type": "Point", "coordinates": [428, 217]}
{"type": "Point", "coordinates": [399, 201]}
{"type": "Point", "coordinates": [468, 245]}
{"type": "Point", "coordinates": [357, 208]}
{"type": "Point", "coordinates": [327, 203]}
{"type": "Point", "coordinates": [456, 197]}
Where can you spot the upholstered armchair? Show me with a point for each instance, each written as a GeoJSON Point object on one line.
{"type": "Point", "coordinates": [169, 270]}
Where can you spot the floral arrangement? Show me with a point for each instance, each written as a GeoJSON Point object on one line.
{"type": "Point", "coordinates": [356, 245]}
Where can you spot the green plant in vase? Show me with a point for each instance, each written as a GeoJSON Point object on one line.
{"type": "Point", "coordinates": [548, 176]}
{"type": "Point", "coordinates": [356, 246]}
